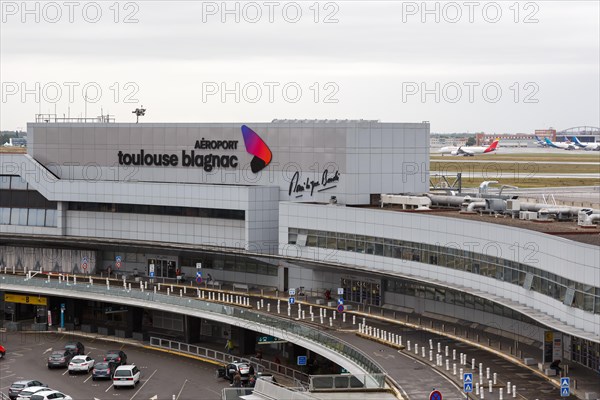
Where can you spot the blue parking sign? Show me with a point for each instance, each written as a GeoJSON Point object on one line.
{"type": "Point", "coordinates": [467, 387]}
{"type": "Point", "coordinates": [468, 377]}
{"type": "Point", "coordinates": [292, 300]}
{"type": "Point", "coordinates": [301, 360]}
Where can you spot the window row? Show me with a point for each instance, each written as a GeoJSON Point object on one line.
{"type": "Point", "coordinates": [27, 217]}
{"type": "Point", "coordinates": [12, 182]}
{"type": "Point", "coordinates": [24, 199]}
{"type": "Point", "coordinates": [585, 297]}
{"type": "Point", "coordinates": [158, 210]}
{"type": "Point", "coordinates": [455, 297]}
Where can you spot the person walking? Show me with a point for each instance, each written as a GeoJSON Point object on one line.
{"type": "Point", "coordinates": [229, 346]}
{"type": "Point", "coordinates": [237, 380]}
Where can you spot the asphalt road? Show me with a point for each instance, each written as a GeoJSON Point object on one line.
{"type": "Point", "coordinates": [163, 374]}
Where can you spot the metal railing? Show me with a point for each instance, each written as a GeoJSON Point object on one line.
{"type": "Point", "coordinates": [235, 393]}
{"type": "Point", "coordinates": [347, 382]}
{"type": "Point", "coordinates": [225, 358]}
{"type": "Point", "coordinates": [286, 327]}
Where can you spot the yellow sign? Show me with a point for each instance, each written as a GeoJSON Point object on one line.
{"type": "Point", "coordinates": [24, 299]}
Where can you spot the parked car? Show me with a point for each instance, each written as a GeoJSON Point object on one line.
{"type": "Point", "coordinates": [50, 395]}
{"type": "Point", "coordinates": [2, 351]}
{"type": "Point", "coordinates": [126, 375]}
{"type": "Point", "coordinates": [117, 356]}
{"type": "Point", "coordinates": [104, 370]}
{"type": "Point", "coordinates": [60, 358]}
{"type": "Point", "coordinates": [81, 364]}
{"type": "Point", "coordinates": [76, 348]}
{"type": "Point", "coordinates": [16, 387]}
{"type": "Point", "coordinates": [30, 391]}
{"type": "Point", "coordinates": [230, 370]}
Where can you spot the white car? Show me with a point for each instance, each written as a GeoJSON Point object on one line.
{"type": "Point", "coordinates": [81, 363]}
{"type": "Point", "coordinates": [50, 395]}
{"type": "Point", "coordinates": [26, 393]}
{"type": "Point", "coordinates": [126, 375]}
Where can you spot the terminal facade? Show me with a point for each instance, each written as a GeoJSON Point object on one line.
{"type": "Point", "coordinates": [287, 204]}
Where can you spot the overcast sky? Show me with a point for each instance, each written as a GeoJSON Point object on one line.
{"type": "Point", "coordinates": [360, 59]}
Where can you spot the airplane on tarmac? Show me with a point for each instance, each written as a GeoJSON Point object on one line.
{"type": "Point", "coordinates": [540, 142]}
{"type": "Point", "coordinates": [470, 150]}
{"type": "Point", "coordinates": [586, 146]}
{"type": "Point", "coordinates": [560, 145]}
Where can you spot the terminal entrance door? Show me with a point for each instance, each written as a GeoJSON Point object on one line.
{"type": "Point", "coordinates": [162, 268]}
{"type": "Point", "coordinates": [362, 291]}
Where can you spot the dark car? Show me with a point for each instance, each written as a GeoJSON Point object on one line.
{"type": "Point", "coordinates": [116, 356]}
{"type": "Point", "coordinates": [60, 358]}
{"type": "Point", "coordinates": [16, 387]}
{"type": "Point", "coordinates": [104, 370]}
{"type": "Point", "coordinates": [76, 348]}
{"type": "Point", "coordinates": [230, 370]}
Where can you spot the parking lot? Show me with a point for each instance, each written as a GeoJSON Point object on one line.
{"type": "Point", "coordinates": [163, 375]}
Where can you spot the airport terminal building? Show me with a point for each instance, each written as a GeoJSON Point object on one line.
{"type": "Point", "coordinates": [290, 203]}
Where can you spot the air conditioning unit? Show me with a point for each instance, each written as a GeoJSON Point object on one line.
{"type": "Point", "coordinates": [528, 215]}
{"type": "Point", "coordinates": [513, 205]}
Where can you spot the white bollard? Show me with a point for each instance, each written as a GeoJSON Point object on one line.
{"type": "Point", "coordinates": [446, 351]}
{"type": "Point", "coordinates": [439, 346]}
{"type": "Point", "coordinates": [334, 314]}
{"type": "Point", "coordinates": [299, 313]}
{"type": "Point", "coordinates": [310, 311]}
{"type": "Point", "coordinates": [268, 307]}
{"type": "Point", "coordinates": [154, 289]}
{"type": "Point", "coordinates": [330, 321]}
{"type": "Point", "coordinates": [477, 388]}
{"type": "Point", "coordinates": [184, 289]}
{"type": "Point", "coordinates": [312, 317]}
{"type": "Point", "coordinates": [146, 285]}
{"type": "Point", "coordinates": [303, 314]}
{"type": "Point", "coordinates": [490, 385]}
{"type": "Point", "coordinates": [453, 368]}
{"type": "Point", "coordinates": [344, 317]}
{"type": "Point", "coordinates": [482, 393]}
{"type": "Point", "coordinates": [500, 393]}
{"type": "Point", "coordinates": [460, 374]}
{"type": "Point", "coordinates": [258, 305]}
{"type": "Point", "coordinates": [289, 311]}
{"type": "Point", "coordinates": [472, 363]}
{"type": "Point", "coordinates": [423, 351]}
{"type": "Point", "coordinates": [430, 355]}
{"type": "Point", "coordinates": [320, 316]}
{"type": "Point", "coordinates": [262, 303]}
{"type": "Point", "coordinates": [431, 344]}
{"type": "Point", "coordinates": [507, 387]}
{"type": "Point", "coordinates": [74, 280]}
{"type": "Point", "coordinates": [408, 345]}
{"type": "Point", "coordinates": [514, 391]}
{"type": "Point", "coordinates": [487, 373]}
{"type": "Point", "coordinates": [416, 349]}
{"type": "Point", "coordinates": [364, 321]}
{"type": "Point", "coordinates": [453, 354]}
{"type": "Point", "coordinates": [447, 365]}
{"type": "Point", "coordinates": [180, 293]}
{"type": "Point", "coordinates": [495, 376]}
{"type": "Point", "coordinates": [480, 368]}
{"type": "Point", "coordinates": [353, 317]}
{"type": "Point", "coordinates": [400, 339]}
{"type": "Point", "coordinates": [168, 291]}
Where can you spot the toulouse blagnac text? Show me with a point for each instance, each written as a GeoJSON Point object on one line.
{"type": "Point", "coordinates": [206, 161]}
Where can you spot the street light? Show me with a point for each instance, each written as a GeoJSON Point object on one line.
{"type": "Point", "coordinates": [139, 112]}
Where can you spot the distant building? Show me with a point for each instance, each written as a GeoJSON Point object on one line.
{"type": "Point", "coordinates": [16, 142]}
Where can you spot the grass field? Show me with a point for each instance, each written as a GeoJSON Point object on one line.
{"type": "Point", "coordinates": [582, 156]}
{"type": "Point", "coordinates": [507, 169]}
{"type": "Point", "coordinates": [14, 150]}
{"type": "Point", "coordinates": [535, 182]}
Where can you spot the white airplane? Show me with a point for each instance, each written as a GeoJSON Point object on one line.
{"type": "Point", "coordinates": [560, 145]}
{"type": "Point", "coordinates": [540, 142]}
{"type": "Point", "coordinates": [469, 150]}
{"type": "Point", "coordinates": [586, 146]}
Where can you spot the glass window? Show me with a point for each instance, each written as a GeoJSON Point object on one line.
{"type": "Point", "coordinates": [36, 217]}
{"type": "Point", "coordinates": [18, 216]}
{"type": "Point", "coordinates": [18, 183]}
{"type": "Point", "coordinates": [50, 218]}
{"type": "Point", "coordinates": [5, 216]}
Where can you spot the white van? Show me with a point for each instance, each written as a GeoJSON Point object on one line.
{"type": "Point", "coordinates": [126, 375]}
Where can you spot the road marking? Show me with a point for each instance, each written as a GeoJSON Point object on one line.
{"type": "Point", "coordinates": [144, 384]}
{"type": "Point", "coordinates": [7, 376]}
{"type": "Point", "coordinates": [180, 390]}
{"type": "Point", "coordinates": [108, 388]}
{"type": "Point", "coordinates": [47, 350]}
{"type": "Point", "coordinates": [88, 378]}
{"type": "Point", "coordinates": [66, 371]}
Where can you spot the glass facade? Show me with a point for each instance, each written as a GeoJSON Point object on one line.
{"type": "Point", "coordinates": [585, 297]}
{"type": "Point", "coordinates": [158, 210]}
{"type": "Point", "coordinates": [20, 205]}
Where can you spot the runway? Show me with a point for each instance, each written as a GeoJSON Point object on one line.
{"type": "Point", "coordinates": [517, 175]}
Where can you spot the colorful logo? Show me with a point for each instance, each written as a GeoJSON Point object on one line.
{"type": "Point", "coordinates": [258, 148]}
